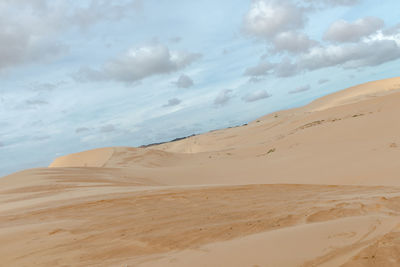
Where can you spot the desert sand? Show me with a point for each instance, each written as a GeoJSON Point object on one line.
{"type": "Point", "coordinates": [312, 186]}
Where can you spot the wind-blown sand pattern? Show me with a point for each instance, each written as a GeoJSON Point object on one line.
{"type": "Point", "coordinates": [312, 186]}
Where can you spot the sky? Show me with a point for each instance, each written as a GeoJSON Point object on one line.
{"type": "Point", "coordinates": [78, 75]}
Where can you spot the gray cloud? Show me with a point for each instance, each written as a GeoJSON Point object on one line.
{"type": "Point", "coordinates": [262, 69]}
{"type": "Point", "coordinates": [342, 31]}
{"type": "Point", "coordinates": [256, 79]}
{"type": "Point", "coordinates": [172, 102]}
{"type": "Point", "coordinates": [41, 138]}
{"type": "Point", "coordinates": [107, 128]}
{"type": "Point", "coordinates": [176, 39]}
{"type": "Point", "coordinates": [255, 96]}
{"type": "Point", "coordinates": [293, 42]}
{"type": "Point", "coordinates": [223, 97]}
{"type": "Point", "coordinates": [286, 68]}
{"type": "Point", "coordinates": [38, 86]}
{"type": "Point", "coordinates": [81, 130]}
{"type": "Point", "coordinates": [322, 81]}
{"type": "Point", "coordinates": [394, 30]}
{"type": "Point", "coordinates": [139, 63]}
{"type": "Point", "coordinates": [30, 30]}
{"type": "Point", "coordinates": [184, 81]}
{"type": "Point", "coordinates": [300, 89]}
{"type": "Point", "coordinates": [21, 43]}
{"type": "Point", "coordinates": [99, 11]}
{"type": "Point", "coordinates": [36, 102]}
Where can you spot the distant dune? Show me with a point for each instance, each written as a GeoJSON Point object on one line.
{"type": "Point", "coordinates": [92, 158]}
{"type": "Point", "coordinates": [311, 186]}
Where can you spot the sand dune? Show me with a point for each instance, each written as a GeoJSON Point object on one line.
{"type": "Point", "coordinates": [91, 158]}
{"type": "Point", "coordinates": [311, 186]}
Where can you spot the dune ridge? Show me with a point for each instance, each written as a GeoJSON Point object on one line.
{"type": "Point", "coordinates": [92, 158]}
{"type": "Point", "coordinates": [311, 186]}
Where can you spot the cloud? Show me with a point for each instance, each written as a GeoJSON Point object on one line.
{"type": "Point", "coordinates": [300, 89]}
{"type": "Point", "coordinates": [322, 81]}
{"type": "Point", "coordinates": [342, 31]}
{"type": "Point", "coordinates": [139, 63]}
{"type": "Point", "coordinates": [99, 11]}
{"type": "Point", "coordinates": [348, 56]}
{"type": "Point", "coordinates": [176, 39]}
{"type": "Point", "coordinates": [278, 23]}
{"type": "Point", "coordinates": [267, 18]}
{"type": "Point", "coordinates": [81, 130]}
{"type": "Point", "coordinates": [394, 30]}
{"type": "Point", "coordinates": [255, 80]}
{"type": "Point", "coordinates": [41, 138]}
{"type": "Point", "coordinates": [107, 128]}
{"type": "Point", "coordinates": [184, 81]}
{"type": "Point", "coordinates": [172, 102]}
{"type": "Point", "coordinates": [31, 30]}
{"type": "Point", "coordinates": [335, 2]}
{"type": "Point", "coordinates": [286, 68]}
{"type": "Point", "coordinates": [391, 34]}
{"type": "Point", "coordinates": [262, 69]}
{"type": "Point", "coordinates": [22, 43]}
{"type": "Point", "coordinates": [47, 86]}
{"type": "Point", "coordinates": [36, 102]}
{"type": "Point", "coordinates": [255, 96]}
{"type": "Point", "coordinates": [363, 54]}
{"type": "Point", "coordinates": [223, 97]}
{"type": "Point", "coordinates": [292, 42]}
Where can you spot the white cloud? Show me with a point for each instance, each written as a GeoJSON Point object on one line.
{"type": "Point", "coordinates": [139, 63]}
{"type": "Point", "coordinates": [357, 55]}
{"type": "Point", "coordinates": [223, 97]}
{"type": "Point", "coordinates": [391, 34]}
{"type": "Point", "coordinates": [278, 23]}
{"type": "Point", "coordinates": [267, 18]}
{"type": "Point", "coordinates": [256, 95]}
{"type": "Point", "coordinates": [374, 51]}
{"type": "Point", "coordinates": [335, 2]}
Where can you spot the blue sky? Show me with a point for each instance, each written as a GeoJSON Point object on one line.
{"type": "Point", "coordinates": [76, 75]}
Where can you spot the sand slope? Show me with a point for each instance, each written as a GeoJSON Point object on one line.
{"type": "Point", "coordinates": [312, 186]}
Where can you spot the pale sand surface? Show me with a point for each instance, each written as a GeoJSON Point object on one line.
{"type": "Point", "coordinates": [312, 186]}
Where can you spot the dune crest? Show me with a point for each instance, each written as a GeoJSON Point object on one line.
{"type": "Point", "coordinates": [91, 158]}
{"type": "Point", "coordinates": [356, 94]}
